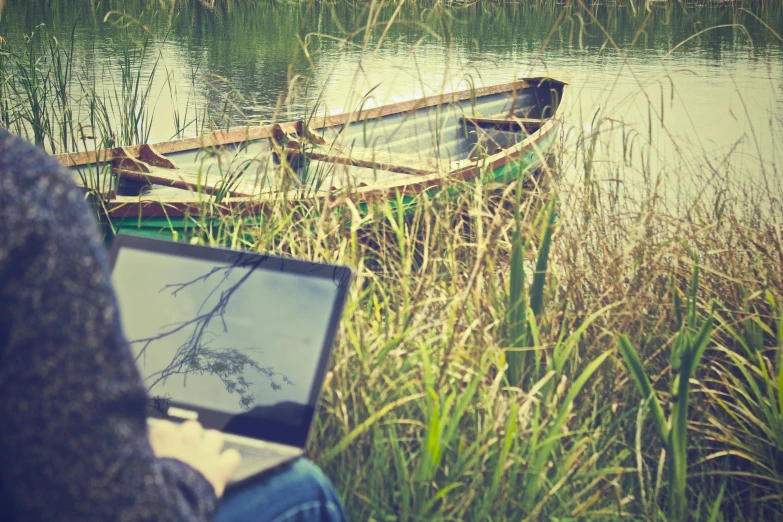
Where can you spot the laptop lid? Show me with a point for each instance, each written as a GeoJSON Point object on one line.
{"type": "Point", "coordinates": [239, 341]}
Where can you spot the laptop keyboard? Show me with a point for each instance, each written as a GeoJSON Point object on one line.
{"type": "Point", "coordinates": [253, 452]}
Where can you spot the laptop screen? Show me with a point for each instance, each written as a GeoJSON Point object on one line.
{"type": "Point", "coordinates": [239, 341]}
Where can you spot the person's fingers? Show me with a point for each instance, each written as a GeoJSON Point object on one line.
{"type": "Point", "coordinates": [161, 430]}
{"type": "Point", "coordinates": [191, 431]}
{"type": "Point", "coordinates": [229, 461]}
{"type": "Point", "coordinates": [213, 441]}
{"type": "Point", "coordinates": [192, 425]}
{"type": "Point", "coordinates": [160, 435]}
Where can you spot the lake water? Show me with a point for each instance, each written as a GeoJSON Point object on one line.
{"type": "Point", "coordinates": [698, 118]}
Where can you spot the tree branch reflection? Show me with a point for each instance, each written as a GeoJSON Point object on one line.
{"type": "Point", "coordinates": [196, 355]}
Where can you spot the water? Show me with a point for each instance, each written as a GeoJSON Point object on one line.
{"type": "Point", "coordinates": [698, 120]}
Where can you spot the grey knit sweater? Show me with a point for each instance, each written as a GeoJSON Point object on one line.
{"type": "Point", "coordinates": [73, 439]}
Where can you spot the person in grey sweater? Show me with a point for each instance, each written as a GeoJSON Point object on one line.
{"type": "Point", "coordinates": [74, 441]}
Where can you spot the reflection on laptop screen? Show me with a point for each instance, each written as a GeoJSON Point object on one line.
{"type": "Point", "coordinates": [224, 336]}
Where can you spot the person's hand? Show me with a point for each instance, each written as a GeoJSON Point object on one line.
{"type": "Point", "coordinates": [196, 447]}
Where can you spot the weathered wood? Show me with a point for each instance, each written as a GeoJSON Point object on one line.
{"type": "Point", "coordinates": [149, 155]}
{"type": "Point", "coordinates": [406, 173]}
{"type": "Point", "coordinates": [127, 161]}
{"type": "Point", "coordinates": [370, 159]}
{"type": "Point", "coordinates": [277, 133]}
{"type": "Point", "coordinates": [179, 179]}
{"type": "Point", "coordinates": [305, 132]}
{"type": "Point", "coordinates": [126, 207]}
{"type": "Point", "coordinates": [528, 124]}
{"type": "Point", "coordinates": [214, 139]}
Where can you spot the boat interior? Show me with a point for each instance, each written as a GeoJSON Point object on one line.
{"type": "Point", "coordinates": [385, 145]}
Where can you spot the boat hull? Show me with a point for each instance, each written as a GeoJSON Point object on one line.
{"type": "Point", "coordinates": [501, 148]}
{"type": "Point", "coordinates": [180, 225]}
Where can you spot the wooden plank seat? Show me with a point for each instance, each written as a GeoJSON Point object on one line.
{"type": "Point", "coordinates": [148, 167]}
{"type": "Point", "coordinates": [495, 133]}
{"type": "Point", "coordinates": [191, 181]}
{"type": "Point", "coordinates": [371, 159]}
{"type": "Point", "coordinates": [529, 125]}
{"type": "Point", "coordinates": [336, 176]}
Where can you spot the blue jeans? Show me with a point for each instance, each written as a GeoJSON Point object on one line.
{"type": "Point", "coordinates": [297, 492]}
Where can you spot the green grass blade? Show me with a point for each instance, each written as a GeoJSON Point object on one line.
{"type": "Point", "coordinates": [643, 383]}
{"type": "Point", "coordinates": [564, 349]}
{"type": "Point", "coordinates": [679, 429]}
{"type": "Point", "coordinates": [508, 440]}
{"type": "Point", "coordinates": [539, 279]}
{"type": "Point", "coordinates": [692, 304]}
{"type": "Point", "coordinates": [401, 469]}
{"type": "Point", "coordinates": [715, 510]}
{"type": "Point", "coordinates": [779, 358]}
{"type": "Point", "coordinates": [430, 504]}
{"type": "Point", "coordinates": [364, 427]}
{"type": "Point", "coordinates": [700, 344]}
{"type": "Point", "coordinates": [780, 390]}
{"type": "Point", "coordinates": [544, 449]}
{"type": "Point", "coordinates": [462, 405]}
{"type": "Point", "coordinates": [516, 307]}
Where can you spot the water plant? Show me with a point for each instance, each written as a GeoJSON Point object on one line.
{"type": "Point", "coordinates": [691, 339]}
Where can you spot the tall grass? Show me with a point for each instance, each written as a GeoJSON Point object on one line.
{"type": "Point", "coordinates": [129, 101]}
{"type": "Point", "coordinates": [419, 421]}
{"type": "Point", "coordinates": [686, 353]}
{"type": "Point", "coordinates": [428, 413]}
{"type": "Point", "coordinates": [66, 106]}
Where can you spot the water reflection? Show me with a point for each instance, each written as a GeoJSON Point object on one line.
{"type": "Point", "coordinates": [231, 335]}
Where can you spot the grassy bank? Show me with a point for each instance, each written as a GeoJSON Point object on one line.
{"type": "Point", "coordinates": [477, 374]}
{"type": "Point", "coordinates": [563, 350]}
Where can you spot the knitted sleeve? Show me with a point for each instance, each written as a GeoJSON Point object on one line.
{"type": "Point", "coordinates": [73, 433]}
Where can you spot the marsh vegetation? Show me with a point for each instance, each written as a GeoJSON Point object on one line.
{"type": "Point", "coordinates": [603, 342]}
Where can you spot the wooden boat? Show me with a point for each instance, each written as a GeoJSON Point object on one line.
{"type": "Point", "coordinates": [498, 133]}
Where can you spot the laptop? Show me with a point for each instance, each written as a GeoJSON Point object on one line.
{"type": "Point", "coordinates": [239, 341]}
